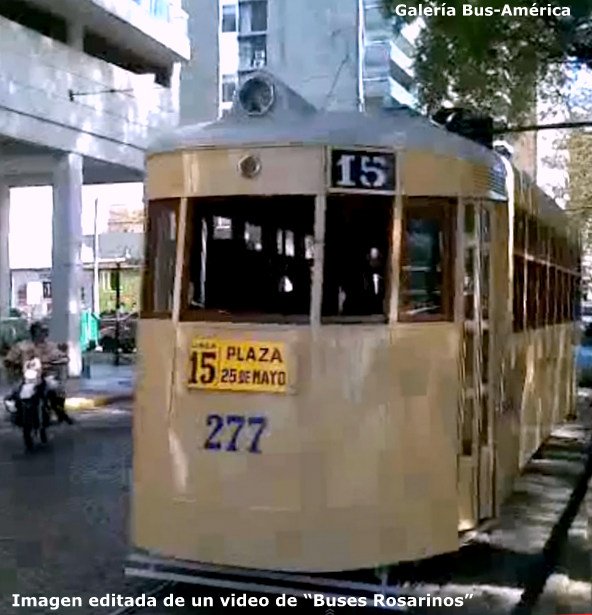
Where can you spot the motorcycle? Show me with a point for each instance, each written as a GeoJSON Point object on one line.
{"type": "Point", "coordinates": [31, 410]}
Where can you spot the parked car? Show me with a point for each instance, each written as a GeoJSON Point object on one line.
{"type": "Point", "coordinates": [127, 332]}
{"type": "Point", "coordinates": [586, 314]}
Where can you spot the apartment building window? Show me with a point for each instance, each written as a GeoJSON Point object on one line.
{"type": "Point", "coordinates": [229, 18]}
{"type": "Point", "coordinates": [228, 87]}
{"type": "Point", "coordinates": [160, 9]}
{"type": "Point", "coordinates": [253, 52]}
{"type": "Point", "coordinates": [253, 17]}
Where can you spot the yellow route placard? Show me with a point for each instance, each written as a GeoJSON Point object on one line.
{"type": "Point", "coordinates": [230, 365]}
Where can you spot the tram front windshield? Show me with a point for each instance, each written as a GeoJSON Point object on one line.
{"type": "Point", "coordinates": [253, 259]}
{"type": "Point", "coordinates": [250, 256]}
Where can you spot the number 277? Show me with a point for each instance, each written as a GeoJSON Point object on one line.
{"type": "Point", "coordinates": [229, 438]}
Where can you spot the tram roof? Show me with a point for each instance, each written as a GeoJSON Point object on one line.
{"type": "Point", "coordinates": [294, 121]}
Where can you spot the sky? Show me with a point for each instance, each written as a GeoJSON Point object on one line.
{"type": "Point", "coordinates": [31, 212]}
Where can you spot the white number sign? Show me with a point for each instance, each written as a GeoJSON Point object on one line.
{"type": "Point", "coordinates": [358, 170]}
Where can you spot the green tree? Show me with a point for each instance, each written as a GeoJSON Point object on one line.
{"type": "Point", "coordinates": [495, 63]}
{"type": "Point", "coordinates": [579, 168]}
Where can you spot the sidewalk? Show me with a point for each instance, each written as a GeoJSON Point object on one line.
{"type": "Point", "coordinates": [107, 385]}
{"type": "Point", "coordinates": [536, 558]}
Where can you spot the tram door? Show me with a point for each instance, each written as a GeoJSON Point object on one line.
{"type": "Point", "coordinates": [476, 458]}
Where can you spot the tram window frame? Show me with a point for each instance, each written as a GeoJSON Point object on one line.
{"type": "Point", "coordinates": [348, 247]}
{"type": "Point", "coordinates": [268, 214]}
{"type": "Point", "coordinates": [444, 211]}
{"type": "Point", "coordinates": [532, 275]}
{"type": "Point", "coordinates": [559, 297]}
{"type": "Point", "coordinates": [571, 297]}
{"type": "Point", "coordinates": [518, 293]}
{"type": "Point", "coordinates": [566, 314]}
{"type": "Point", "coordinates": [151, 258]}
{"type": "Point", "coordinates": [549, 293]}
{"type": "Point", "coordinates": [552, 318]}
{"type": "Point", "coordinates": [543, 293]}
{"type": "Point", "coordinates": [520, 223]}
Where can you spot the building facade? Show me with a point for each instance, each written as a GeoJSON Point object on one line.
{"type": "Point", "coordinates": [31, 288]}
{"type": "Point", "coordinates": [338, 54]}
{"type": "Point", "coordinates": [84, 84]}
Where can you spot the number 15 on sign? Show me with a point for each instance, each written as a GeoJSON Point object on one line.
{"type": "Point", "coordinates": [367, 171]}
{"type": "Point", "coordinates": [205, 360]}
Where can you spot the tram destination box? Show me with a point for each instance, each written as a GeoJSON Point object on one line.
{"type": "Point", "coordinates": [362, 170]}
{"type": "Point", "coordinates": [239, 365]}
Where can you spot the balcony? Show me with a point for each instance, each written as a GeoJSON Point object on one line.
{"type": "Point", "coordinates": [36, 75]}
{"type": "Point", "coordinates": [159, 28]}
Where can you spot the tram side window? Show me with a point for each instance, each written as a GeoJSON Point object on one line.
{"type": "Point", "coordinates": [357, 256]}
{"type": "Point", "coordinates": [532, 297]}
{"type": "Point", "coordinates": [426, 281]}
{"type": "Point", "coordinates": [249, 258]}
{"type": "Point", "coordinates": [160, 258]}
{"type": "Point", "coordinates": [518, 293]}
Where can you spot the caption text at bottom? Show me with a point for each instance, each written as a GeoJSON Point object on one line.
{"type": "Point", "coordinates": [54, 603]}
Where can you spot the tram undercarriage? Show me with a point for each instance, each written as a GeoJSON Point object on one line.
{"type": "Point", "coordinates": [389, 587]}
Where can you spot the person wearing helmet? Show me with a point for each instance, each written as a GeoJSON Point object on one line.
{"type": "Point", "coordinates": [47, 352]}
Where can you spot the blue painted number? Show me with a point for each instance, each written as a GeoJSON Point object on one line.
{"type": "Point", "coordinates": [235, 423]}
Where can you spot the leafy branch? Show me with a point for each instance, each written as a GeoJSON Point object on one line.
{"type": "Point", "coordinates": [495, 64]}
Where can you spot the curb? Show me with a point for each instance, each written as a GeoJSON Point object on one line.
{"type": "Point", "coordinates": [90, 403]}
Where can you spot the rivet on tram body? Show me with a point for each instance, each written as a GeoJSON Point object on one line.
{"type": "Point", "coordinates": [250, 166]}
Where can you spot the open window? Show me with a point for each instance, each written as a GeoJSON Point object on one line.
{"type": "Point", "coordinates": [357, 256]}
{"type": "Point", "coordinates": [249, 259]}
{"type": "Point", "coordinates": [427, 260]}
{"type": "Point", "coordinates": [160, 258]}
{"type": "Point", "coordinates": [518, 294]}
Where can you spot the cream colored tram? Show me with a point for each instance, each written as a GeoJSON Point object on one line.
{"type": "Point", "coordinates": [355, 332]}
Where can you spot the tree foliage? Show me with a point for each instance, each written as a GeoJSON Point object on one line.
{"type": "Point", "coordinates": [495, 63]}
{"type": "Point", "coordinates": [579, 168]}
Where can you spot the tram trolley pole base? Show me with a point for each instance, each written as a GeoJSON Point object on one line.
{"type": "Point", "coordinates": [226, 578]}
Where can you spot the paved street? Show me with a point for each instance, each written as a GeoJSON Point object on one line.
{"type": "Point", "coordinates": [64, 512]}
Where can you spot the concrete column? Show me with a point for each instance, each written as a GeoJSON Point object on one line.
{"type": "Point", "coordinates": [66, 274]}
{"type": "Point", "coordinates": [4, 254]}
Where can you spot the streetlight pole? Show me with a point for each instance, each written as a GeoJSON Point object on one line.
{"type": "Point", "coordinates": [117, 310]}
{"type": "Point", "coordinates": [96, 300]}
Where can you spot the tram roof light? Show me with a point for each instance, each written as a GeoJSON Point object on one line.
{"type": "Point", "coordinates": [257, 95]}
{"type": "Point", "coordinates": [264, 96]}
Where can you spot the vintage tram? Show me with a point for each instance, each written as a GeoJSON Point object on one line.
{"type": "Point", "coordinates": [355, 331]}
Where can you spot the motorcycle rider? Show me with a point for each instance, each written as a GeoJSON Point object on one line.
{"type": "Point", "coordinates": [47, 352]}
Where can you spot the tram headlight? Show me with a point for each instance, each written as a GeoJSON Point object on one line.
{"type": "Point", "coordinates": [257, 96]}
